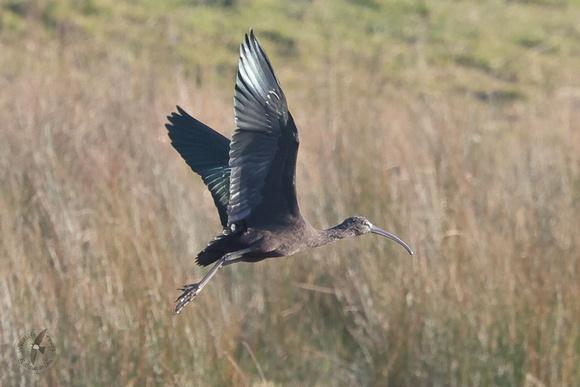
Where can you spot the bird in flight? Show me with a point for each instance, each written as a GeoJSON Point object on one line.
{"type": "Point", "coordinates": [36, 346]}
{"type": "Point", "coordinates": [252, 178]}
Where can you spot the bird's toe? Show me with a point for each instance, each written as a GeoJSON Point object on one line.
{"type": "Point", "coordinates": [188, 288]}
{"type": "Point", "coordinates": [189, 293]}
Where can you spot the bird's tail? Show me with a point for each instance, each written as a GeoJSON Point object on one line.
{"type": "Point", "coordinates": [215, 249]}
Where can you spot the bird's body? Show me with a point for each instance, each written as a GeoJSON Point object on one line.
{"type": "Point", "coordinates": [252, 179]}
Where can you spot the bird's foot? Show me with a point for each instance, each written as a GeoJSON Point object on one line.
{"type": "Point", "coordinates": [189, 293]}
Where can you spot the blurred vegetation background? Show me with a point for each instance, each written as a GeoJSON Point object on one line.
{"type": "Point", "coordinates": [454, 124]}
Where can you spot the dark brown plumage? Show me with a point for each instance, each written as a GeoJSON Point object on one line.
{"type": "Point", "coordinates": [252, 179]}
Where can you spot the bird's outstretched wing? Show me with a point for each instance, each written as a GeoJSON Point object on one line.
{"type": "Point", "coordinates": [206, 152]}
{"type": "Point", "coordinates": [33, 352]}
{"type": "Point", "coordinates": [40, 337]}
{"type": "Point", "coordinates": [264, 147]}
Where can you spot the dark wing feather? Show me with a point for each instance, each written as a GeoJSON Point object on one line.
{"type": "Point", "coordinates": [206, 152]}
{"type": "Point", "coordinates": [33, 355]}
{"type": "Point", "coordinates": [265, 142]}
{"type": "Point", "coordinates": [40, 337]}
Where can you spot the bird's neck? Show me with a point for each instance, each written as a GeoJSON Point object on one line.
{"type": "Point", "coordinates": [329, 235]}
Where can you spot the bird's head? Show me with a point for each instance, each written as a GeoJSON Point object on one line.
{"type": "Point", "coordinates": [359, 225]}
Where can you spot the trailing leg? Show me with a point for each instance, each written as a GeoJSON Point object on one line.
{"type": "Point", "coordinates": [190, 291]}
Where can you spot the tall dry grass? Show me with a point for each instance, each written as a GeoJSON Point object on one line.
{"type": "Point", "coordinates": [101, 221]}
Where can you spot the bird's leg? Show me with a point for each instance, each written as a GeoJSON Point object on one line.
{"type": "Point", "coordinates": [229, 262]}
{"type": "Point", "coordinates": [190, 291]}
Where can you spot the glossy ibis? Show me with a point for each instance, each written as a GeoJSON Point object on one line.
{"type": "Point", "coordinates": [252, 178]}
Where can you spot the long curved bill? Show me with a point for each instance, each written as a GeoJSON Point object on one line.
{"type": "Point", "coordinates": [381, 232]}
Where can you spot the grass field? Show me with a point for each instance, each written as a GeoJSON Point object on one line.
{"type": "Point", "coordinates": [454, 124]}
